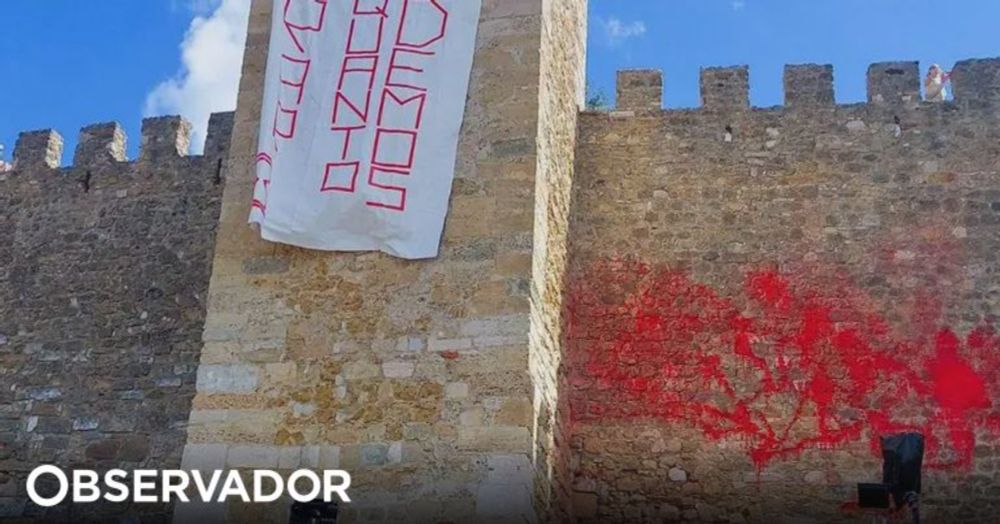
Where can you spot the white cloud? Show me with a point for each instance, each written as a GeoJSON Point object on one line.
{"type": "Point", "coordinates": [211, 58]}
{"type": "Point", "coordinates": [616, 32]}
{"type": "Point", "coordinates": [198, 7]}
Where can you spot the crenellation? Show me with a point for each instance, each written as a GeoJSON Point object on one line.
{"type": "Point", "coordinates": [977, 81]}
{"type": "Point", "coordinates": [100, 165]}
{"type": "Point", "coordinates": [38, 150]}
{"type": "Point", "coordinates": [220, 131]}
{"type": "Point", "coordinates": [100, 144]}
{"type": "Point", "coordinates": [725, 88]}
{"type": "Point", "coordinates": [105, 144]}
{"type": "Point", "coordinates": [639, 89]}
{"type": "Point", "coordinates": [809, 86]}
{"type": "Point", "coordinates": [164, 137]}
{"type": "Point", "coordinates": [894, 83]}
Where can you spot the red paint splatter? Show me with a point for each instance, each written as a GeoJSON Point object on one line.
{"type": "Point", "coordinates": [785, 367]}
{"type": "Point", "coordinates": [450, 355]}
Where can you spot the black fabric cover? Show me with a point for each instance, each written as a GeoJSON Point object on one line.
{"type": "Point", "coordinates": [903, 457]}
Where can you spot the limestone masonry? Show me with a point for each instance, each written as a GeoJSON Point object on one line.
{"type": "Point", "coordinates": [638, 314]}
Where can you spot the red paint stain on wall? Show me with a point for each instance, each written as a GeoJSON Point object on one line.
{"type": "Point", "coordinates": [784, 367]}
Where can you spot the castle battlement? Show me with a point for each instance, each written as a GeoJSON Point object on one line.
{"type": "Point", "coordinates": [104, 144]}
{"type": "Point", "coordinates": [809, 87]}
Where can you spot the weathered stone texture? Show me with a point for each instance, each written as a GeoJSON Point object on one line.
{"type": "Point", "coordinates": [897, 199]}
{"type": "Point", "coordinates": [639, 89]}
{"type": "Point", "coordinates": [416, 373]}
{"type": "Point", "coordinates": [561, 97]}
{"type": "Point", "coordinates": [104, 270]}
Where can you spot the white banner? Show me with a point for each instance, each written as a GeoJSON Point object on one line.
{"type": "Point", "coordinates": [363, 104]}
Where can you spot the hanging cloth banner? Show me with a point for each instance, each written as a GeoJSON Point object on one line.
{"type": "Point", "coordinates": [363, 103]}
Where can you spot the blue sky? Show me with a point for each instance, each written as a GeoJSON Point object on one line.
{"type": "Point", "coordinates": [70, 63]}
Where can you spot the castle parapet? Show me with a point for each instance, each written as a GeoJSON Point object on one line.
{"type": "Point", "coordinates": [100, 144]}
{"type": "Point", "coordinates": [809, 86]}
{"type": "Point", "coordinates": [105, 144]}
{"type": "Point", "coordinates": [640, 89]}
{"type": "Point", "coordinates": [894, 83]}
{"type": "Point", "coordinates": [220, 131]}
{"type": "Point", "coordinates": [165, 137]}
{"type": "Point", "coordinates": [725, 88]}
{"type": "Point", "coordinates": [977, 81]}
{"type": "Point", "coordinates": [890, 85]}
{"type": "Point", "coordinates": [38, 150]}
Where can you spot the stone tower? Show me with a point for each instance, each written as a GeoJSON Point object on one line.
{"type": "Point", "coordinates": [432, 382]}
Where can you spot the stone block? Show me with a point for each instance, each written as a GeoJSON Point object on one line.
{"type": "Point", "coordinates": [204, 457]}
{"type": "Point", "coordinates": [230, 378]}
{"type": "Point", "coordinates": [259, 457]}
{"type": "Point", "coordinates": [509, 468]}
{"type": "Point", "coordinates": [329, 457]}
{"type": "Point", "coordinates": [454, 344]}
{"type": "Point", "coordinates": [456, 390]}
{"type": "Point", "coordinates": [494, 438]}
{"type": "Point", "coordinates": [677, 475]}
{"type": "Point", "coordinates": [311, 456]}
{"type": "Point", "coordinates": [289, 457]}
{"type": "Point", "coordinates": [395, 454]}
{"type": "Point", "coordinates": [361, 370]}
{"type": "Point", "coordinates": [374, 454]}
{"type": "Point", "coordinates": [398, 369]}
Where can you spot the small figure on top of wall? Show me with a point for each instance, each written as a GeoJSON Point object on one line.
{"type": "Point", "coordinates": [934, 84]}
{"type": "Point", "coordinates": [4, 166]}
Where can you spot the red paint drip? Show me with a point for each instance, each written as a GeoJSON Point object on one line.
{"type": "Point", "coordinates": [785, 368]}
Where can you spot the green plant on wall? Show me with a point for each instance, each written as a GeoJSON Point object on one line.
{"type": "Point", "coordinates": [596, 99]}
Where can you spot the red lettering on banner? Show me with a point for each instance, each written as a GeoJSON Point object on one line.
{"type": "Point", "coordinates": [411, 30]}
{"type": "Point", "coordinates": [352, 97]}
{"type": "Point", "coordinates": [293, 77]}
{"type": "Point", "coordinates": [388, 95]}
{"type": "Point", "coordinates": [396, 197]}
{"type": "Point", "coordinates": [294, 73]}
{"type": "Point", "coordinates": [352, 100]}
{"type": "Point", "coordinates": [341, 176]}
{"type": "Point", "coordinates": [285, 122]}
{"type": "Point", "coordinates": [348, 132]}
{"type": "Point", "coordinates": [297, 27]}
{"type": "Point", "coordinates": [395, 66]}
{"type": "Point", "coordinates": [257, 203]}
{"type": "Point", "coordinates": [401, 102]}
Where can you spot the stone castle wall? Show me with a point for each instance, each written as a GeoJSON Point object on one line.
{"type": "Point", "coordinates": [758, 294]}
{"type": "Point", "coordinates": [104, 270]}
